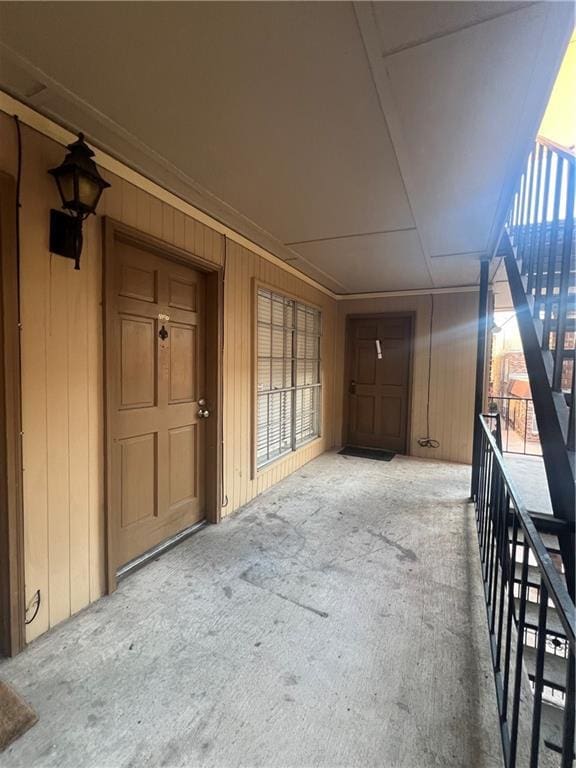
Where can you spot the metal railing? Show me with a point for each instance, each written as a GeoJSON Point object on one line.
{"type": "Point", "coordinates": [506, 530]}
{"type": "Point", "coordinates": [541, 229]}
{"type": "Point", "coordinates": [519, 428]}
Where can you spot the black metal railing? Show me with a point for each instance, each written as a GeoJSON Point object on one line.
{"type": "Point", "coordinates": [507, 533]}
{"type": "Point", "coordinates": [541, 229]}
{"type": "Point", "coordinates": [519, 426]}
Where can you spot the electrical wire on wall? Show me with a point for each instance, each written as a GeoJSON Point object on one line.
{"type": "Point", "coordinates": [36, 600]}
{"type": "Point", "coordinates": [429, 442]}
{"type": "Point", "coordinates": [18, 206]}
{"type": "Point", "coordinates": [223, 496]}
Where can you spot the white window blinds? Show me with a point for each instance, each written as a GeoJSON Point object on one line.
{"type": "Point", "coordinates": [288, 375]}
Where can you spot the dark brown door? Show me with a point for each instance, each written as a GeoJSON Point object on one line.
{"type": "Point", "coordinates": [379, 351]}
{"type": "Point", "coordinates": [155, 388]}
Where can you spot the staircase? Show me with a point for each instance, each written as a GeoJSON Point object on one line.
{"type": "Point", "coordinates": [538, 248]}
{"type": "Point", "coordinates": [539, 252]}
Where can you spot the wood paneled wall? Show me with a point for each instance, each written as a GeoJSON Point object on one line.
{"type": "Point", "coordinates": [453, 368]}
{"type": "Point", "coordinates": [242, 268]}
{"type": "Point", "coordinates": [62, 379]}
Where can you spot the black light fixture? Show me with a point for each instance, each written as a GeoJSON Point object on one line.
{"type": "Point", "coordinates": [80, 186]}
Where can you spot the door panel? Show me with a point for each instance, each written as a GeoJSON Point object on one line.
{"type": "Point", "coordinates": [183, 354]}
{"type": "Point", "coordinates": [136, 283]}
{"type": "Point", "coordinates": [182, 453]}
{"type": "Point", "coordinates": [378, 389]}
{"type": "Point", "coordinates": [138, 467]}
{"type": "Point", "coordinates": [365, 414]}
{"type": "Point", "coordinates": [157, 459]}
{"type": "Point", "coordinates": [137, 362]}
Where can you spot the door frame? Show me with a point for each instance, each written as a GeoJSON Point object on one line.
{"type": "Point", "coordinates": [411, 316]}
{"type": "Point", "coordinates": [12, 585]}
{"type": "Point", "coordinates": [116, 231]}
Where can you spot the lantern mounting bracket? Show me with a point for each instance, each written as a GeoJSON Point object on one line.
{"type": "Point", "coordinates": [66, 236]}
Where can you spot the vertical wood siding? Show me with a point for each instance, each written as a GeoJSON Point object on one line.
{"type": "Point", "coordinates": [453, 369]}
{"type": "Point", "coordinates": [62, 375]}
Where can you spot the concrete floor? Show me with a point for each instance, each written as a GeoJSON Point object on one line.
{"type": "Point", "coordinates": [530, 477]}
{"type": "Point", "coordinates": [337, 620]}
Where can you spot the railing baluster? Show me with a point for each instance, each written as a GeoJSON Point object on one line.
{"type": "Point", "coordinates": [569, 714]}
{"type": "Point", "coordinates": [485, 497]}
{"type": "Point", "coordinates": [552, 255]}
{"type": "Point", "coordinates": [571, 442]}
{"type": "Point", "coordinates": [534, 228]}
{"type": "Point", "coordinates": [515, 211]}
{"type": "Point", "coordinates": [499, 524]}
{"type": "Point", "coordinates": [519, 655]}
{"type": "Point", "coordinates": [503, 580]}
{"type": "Point", "coordinates": [541, 260]}
{"type": "Point", "coordinates": [525, 212]}
{"type": "Point", "coordinates": [564, 281]}
{"type": "Point", "coordinates": [519, 208]}
{"type": "Point", "coordinates": [509, 617]}
{"type": "Point", "coordinates": [539, 677]}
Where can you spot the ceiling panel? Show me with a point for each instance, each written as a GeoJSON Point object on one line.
{"type": "Point", "coordinates": [269, 106]}
{"type": "Point", "coordinates": [455, 270]}
{"type": "Point", "coordinates": [403, 24]}
{"type": "Point", "coordinates": [462, 110]}
{"type": "Point", "coordinates": [390, 261]}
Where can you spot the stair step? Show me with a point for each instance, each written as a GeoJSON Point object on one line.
{"type": "Point", "coordinates": [550, 542]}
{"type": "Point", "coordinates": [552, 726]}
{"type": "Point", "coordinates": [553, 623]}
{"type": "Point", "coordinates": [554, 668]}
{"type": "Point", "coordinates": [533, 575]}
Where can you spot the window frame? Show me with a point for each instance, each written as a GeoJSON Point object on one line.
{"type": "Point", "coordinates": [294, 388]}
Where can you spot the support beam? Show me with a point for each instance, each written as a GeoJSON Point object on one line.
{"type": "Point", "coordinates": [480, 371]}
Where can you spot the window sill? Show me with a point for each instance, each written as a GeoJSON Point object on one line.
{"type": "Point", "coordinates": [285, 456]}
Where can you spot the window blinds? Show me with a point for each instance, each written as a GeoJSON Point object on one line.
{"type": "Point", "coordinates": [288, 375]}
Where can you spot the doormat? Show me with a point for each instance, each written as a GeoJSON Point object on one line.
{"type": "Point", "coordinates": [367, 453]}
{"type": "Point", "coordinates": [16, 716]}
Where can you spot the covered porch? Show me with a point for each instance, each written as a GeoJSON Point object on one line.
{"type": "Point", "coordinates": [336, 620]}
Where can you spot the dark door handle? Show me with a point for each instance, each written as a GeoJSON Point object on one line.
{"type": "Point", "coordinates": [352, 388]}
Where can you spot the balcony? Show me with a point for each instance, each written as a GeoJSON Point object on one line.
{"type": "Point", "coordinates": [338, 619]}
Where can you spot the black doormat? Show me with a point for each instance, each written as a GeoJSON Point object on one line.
{"type": "Point", "coordinates": [367, 453]}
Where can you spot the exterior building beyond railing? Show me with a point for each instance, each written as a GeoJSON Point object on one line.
{"type": "Point", "coordinates": [519, 427]}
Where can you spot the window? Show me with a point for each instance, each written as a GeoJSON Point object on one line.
{"type": "Point", "coordinates": [288, 375]}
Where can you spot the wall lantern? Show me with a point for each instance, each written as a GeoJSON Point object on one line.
{"type": "Point", "coordinates": [80, 186]}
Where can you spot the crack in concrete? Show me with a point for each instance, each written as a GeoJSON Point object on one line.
{"type": "Point", "coordinates": [317, 611]}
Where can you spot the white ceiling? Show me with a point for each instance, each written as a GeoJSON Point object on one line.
{"type": "Point", "coordinates": [373, 145]}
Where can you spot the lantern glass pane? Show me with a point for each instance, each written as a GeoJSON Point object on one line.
{"type": "Point", "coordinates": [88, 191]}
{"type": "Point", "coordinates": [66, 188]}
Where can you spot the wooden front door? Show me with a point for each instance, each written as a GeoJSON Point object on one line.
{"type": "Point", "coordinates": [155, 380]}
{"type": "Point", "coordinates": [379, 354]}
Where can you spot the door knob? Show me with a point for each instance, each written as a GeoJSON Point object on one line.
{"type": "Point", "coordinates": [352, 389]}
{"type": "Point", "coordinates": [203, 413]}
